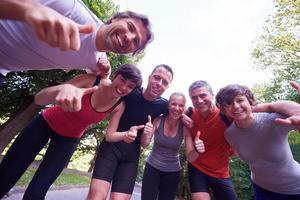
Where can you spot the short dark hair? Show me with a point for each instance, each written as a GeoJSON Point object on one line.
{"type": "Point", "coordinates": [227, 94]}
{"type": "Point", "coordinates": [145, 22]}
{"type": "Point", "coordinates": [199, 84]}
{"type": "Point", "coordinates": [130, 72]}
{"type": "Point", "coordinates": [167, 67]}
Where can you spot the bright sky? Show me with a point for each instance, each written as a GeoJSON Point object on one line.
{"type": "Point", "coordinates": [203, 40]}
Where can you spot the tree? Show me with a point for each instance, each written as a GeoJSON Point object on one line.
{"type": "Point", "coordinates": [17, 99]}
{"type": "Point", "coordinates": [278, 50]}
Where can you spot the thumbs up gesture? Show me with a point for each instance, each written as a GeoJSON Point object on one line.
{"type": "Point", "coordinates": [131, 134]}
{"type": "Point", "coordinates": [69, 97]}
{"type": "Point", "coordinates": [149, 128]}
{"type": "Point", "coordinates": [199, 145]}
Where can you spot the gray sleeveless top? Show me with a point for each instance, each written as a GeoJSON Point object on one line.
{"type": "Point", "coordinates": [165, 152]}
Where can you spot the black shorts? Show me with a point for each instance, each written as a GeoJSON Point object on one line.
{"type": "Point", "coordinates": [222, 188]}
{"type": "Point", "coordinates": [120, 168]}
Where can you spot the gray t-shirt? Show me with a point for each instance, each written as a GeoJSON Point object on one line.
{"type": "Point", "coordinates": [265, 148]}
{"type": "Point", "coordinates": [22, 50]}
{"type": "Point", "coordinates": [165, 152]}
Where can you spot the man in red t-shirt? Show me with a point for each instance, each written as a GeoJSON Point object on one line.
{"type": "Point", "coordinates": [210, 171]}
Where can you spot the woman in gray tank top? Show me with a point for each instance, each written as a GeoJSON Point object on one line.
{"type": "Point", "coordinates": [162, 169]}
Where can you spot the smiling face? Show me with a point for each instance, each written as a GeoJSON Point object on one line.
{"type": "Point", "coordinates": [122, 86]}
{"type": "Point", "coordinates": [202, 100]}
{"type": "Point", "coordinates": [125, 35]}
{"type": "Point", "coordinates": [176, 105]}
{"type": "Point", "coordinates": [239, 110]}
{"type": "Point", "coordinates": [158, 82]}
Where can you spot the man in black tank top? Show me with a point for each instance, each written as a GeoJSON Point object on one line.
{"type": "Point", "coordinates": [117, 161]}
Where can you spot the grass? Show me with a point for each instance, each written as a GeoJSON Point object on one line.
{"type": "Point", "coordinates": [63, 179]}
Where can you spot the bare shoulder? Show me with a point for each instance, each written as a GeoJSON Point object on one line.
{"type": "Point", "coordinates": [156, 121]}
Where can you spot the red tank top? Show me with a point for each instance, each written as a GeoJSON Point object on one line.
{"type": "Point", "coordinates": [73, 124]}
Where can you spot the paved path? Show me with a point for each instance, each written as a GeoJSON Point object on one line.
{"type": "Point", "coordinates": [68, 194]}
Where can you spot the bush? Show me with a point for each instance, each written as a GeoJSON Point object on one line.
{"type": "Point", "coordinates": [240, 175]}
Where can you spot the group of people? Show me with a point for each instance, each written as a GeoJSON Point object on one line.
{"type": "Point", "coordinates": [67, 35]}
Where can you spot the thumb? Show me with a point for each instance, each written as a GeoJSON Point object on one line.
{"type": "Point", "coordinates": [86, 28]}
{"type": "Point", "coordinates": [198, 135]}
{"type": "Point", "coordinates": [149, 119]}
{"type": "Point", "coordinates": [90, 90]}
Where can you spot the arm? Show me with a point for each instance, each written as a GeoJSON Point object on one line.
{"type": "Point", "coordinates": [149, 131]}
{"type": "Point", "coordinates": [48, 25]}
{"type": "Point", "coordinates": [187, 121]}
{"type": "Point", "coordinates": [112, 135]}
{"type": "Point", "coordinates": [16, 9]}
{"type": "Point", "coordinates": [191, 150]}
{"type": "Point", "coordinates": [67, 95]}
{"type": "Point", "coordinates": [103, 68]}
{"type": "Point", "coordinates": [288, 108]}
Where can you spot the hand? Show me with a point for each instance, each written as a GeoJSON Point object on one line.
{"type": "Point", "coordinates": [103, 68]}
{"type": "Point", "coordinates": [131, 134]}
{"type": "Point", "coordinates": [55, 29]}
{"type": "Point", "coordinates": [149, 128]}
{"type": "Point", "coordinates": [188, 122]}
{"type": "Point", "coordinates": [69, 97]}
{"type": "Point", "coordinates": [295, 85]}
{"type": "Point", "coordinates": [292, 120]}
{"type": "Point", "coordinates": [199, 145]}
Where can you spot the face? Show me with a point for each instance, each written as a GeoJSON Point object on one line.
{"type": "Point", "coordinates": [122, 86]}
{"type": "Point", "coordinates": [240, 109]}
{"type": "Point", "coordinates": [158, 82]}
{"type": "Point", "coordinates": [125, 35]}
{"type": "Point", "coordinates": [202, 100]}
{"type": "Point", "coordinates": [176, 106]}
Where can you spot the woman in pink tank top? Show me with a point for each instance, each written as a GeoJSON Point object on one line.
{"type": "Point", "coordinates": [79, 104]}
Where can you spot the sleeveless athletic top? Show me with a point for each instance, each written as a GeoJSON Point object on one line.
{"type": "Point", "coordinates": [73, 124]}
{"type": "Point", "coordinates": [165, 152]}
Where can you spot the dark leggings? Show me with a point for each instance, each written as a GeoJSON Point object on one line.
{"type": "Point", "coordinates": [158, 184]}
{"type": "Point", "coordinates": [263, 194]}
{"type": "Point", "coordinates": [23, 151]}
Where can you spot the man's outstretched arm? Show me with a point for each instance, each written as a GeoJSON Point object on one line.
{"type": "Point", "coordinates": [48, 25]}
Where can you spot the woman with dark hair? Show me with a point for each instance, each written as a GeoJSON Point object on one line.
{"type": "Point", "coordinates": [262, 143]}
{"type": "Point", "coordinates": [78, 106]}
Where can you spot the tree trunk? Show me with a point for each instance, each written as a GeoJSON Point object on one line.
{"type": "Point", "coordinates": [16, 123]}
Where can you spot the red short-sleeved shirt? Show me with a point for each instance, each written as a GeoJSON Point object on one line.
{"type": "Point", "coordinates": [215, 160]}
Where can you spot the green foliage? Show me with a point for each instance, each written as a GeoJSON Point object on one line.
{"type": "Point", "coordinates": [142, 163]}
{"type": "Point", "coordinates": [103, 9]}
{"type": "Point", "coordinates": [19, 88]}
{"type": "Point", "coordinates": [278, 49]}
{"type": "Point", "coordinates": [240, 175]}
{"type": "Point", "coordinates": [294, 141]}
{"type": "Point", "coordinates": [183, 190]}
